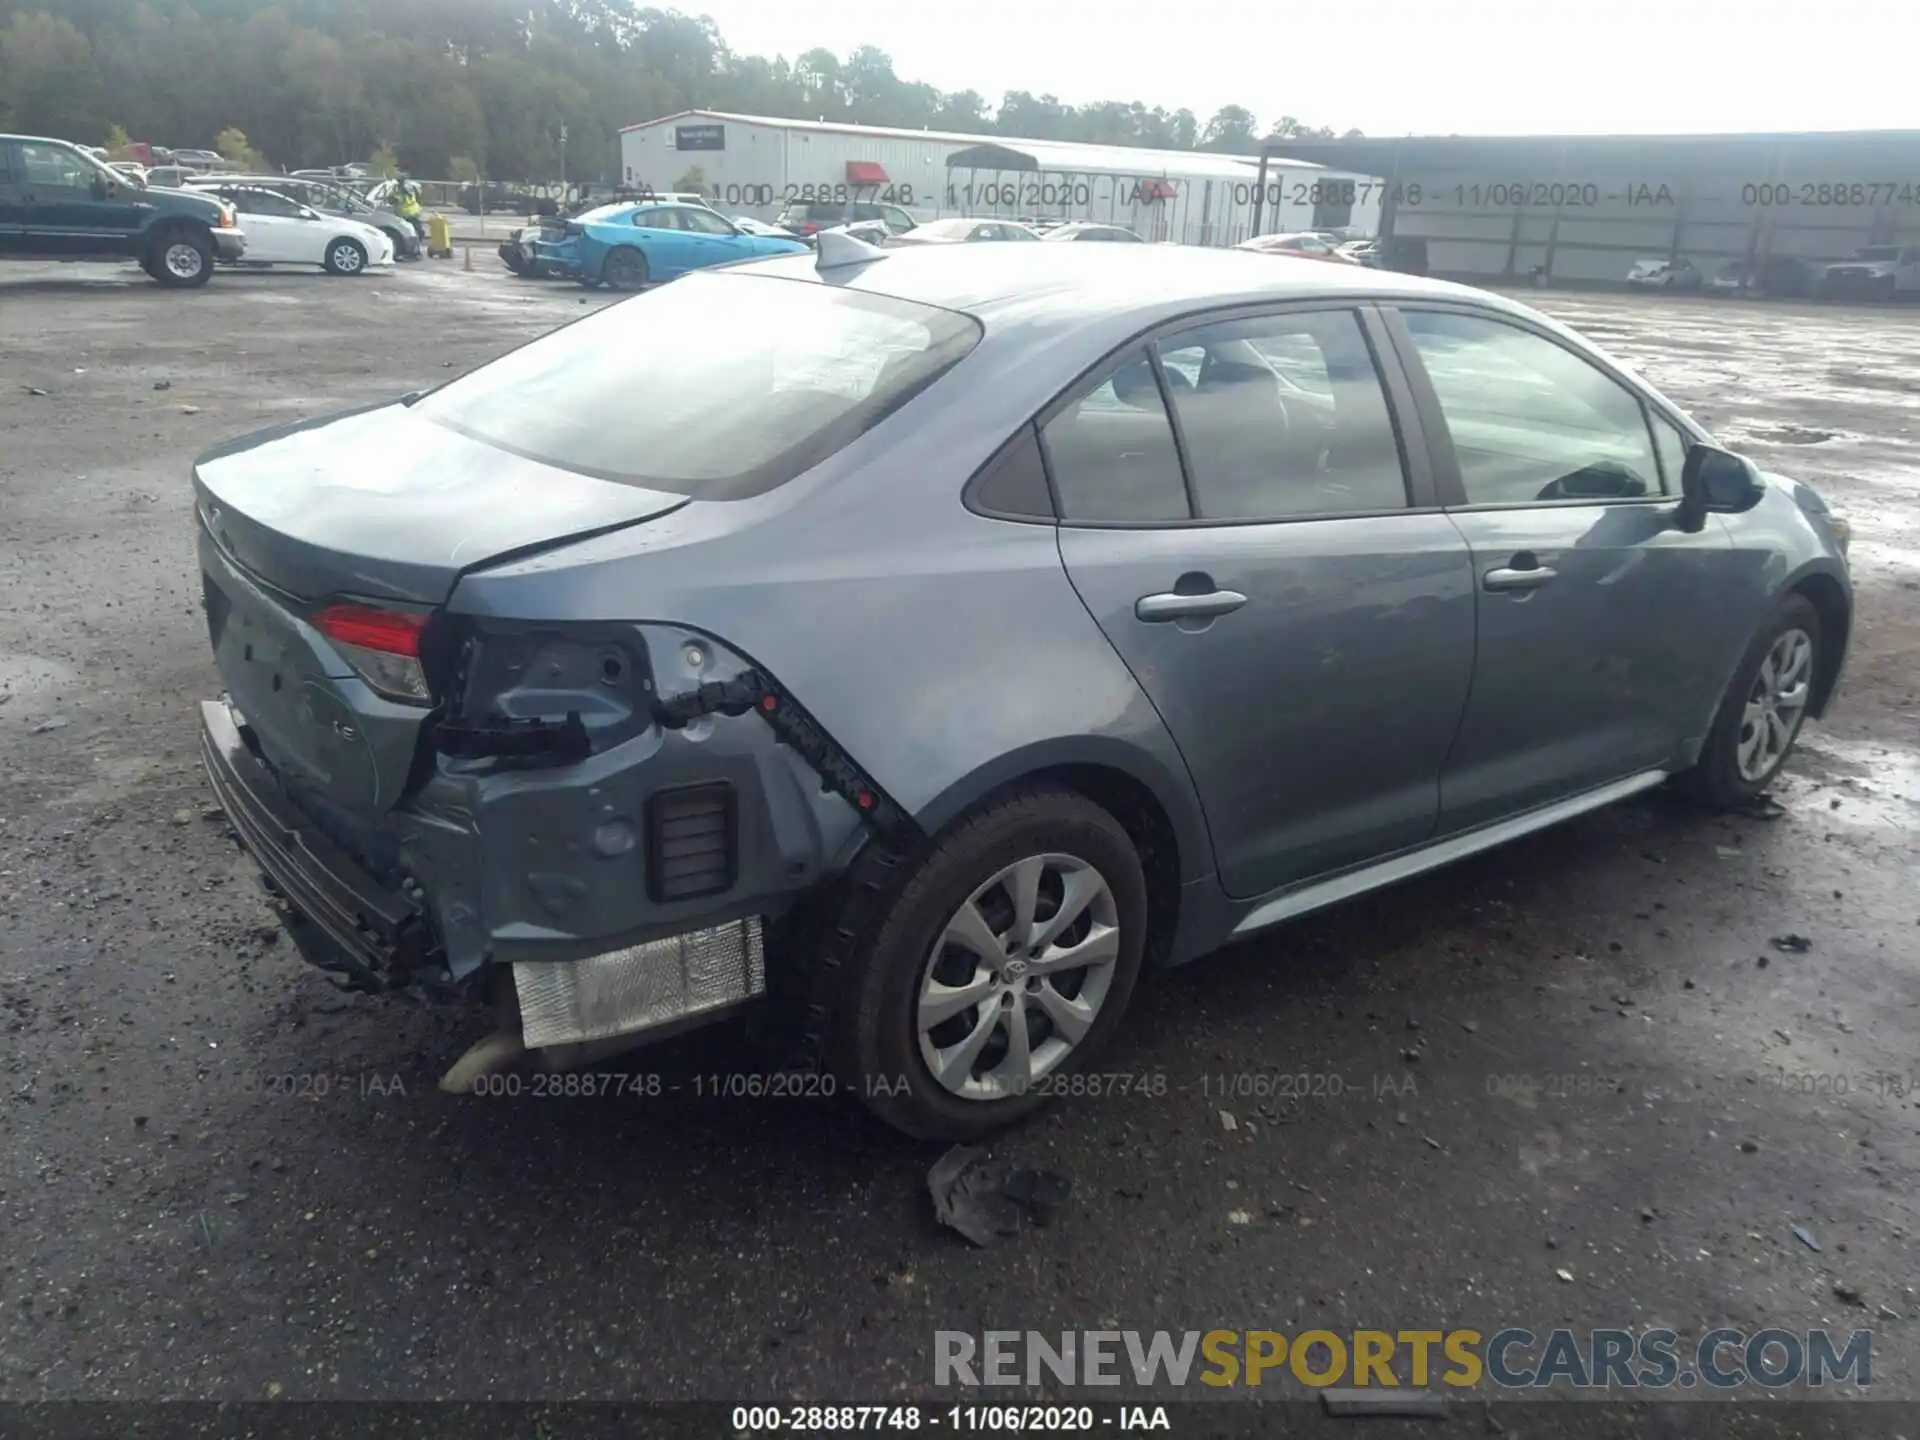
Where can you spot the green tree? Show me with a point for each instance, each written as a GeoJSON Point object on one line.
{"type": "Point", "coordinates": [489, 82]}
{"type": "Point", "coordinates": [49, 81]}
{"type": "Point", "coordinates": [231, 144]}
{"type": "Point", "coordinates": [117, 139]}
{"type": "Point", "coordinates": [1232, 129]}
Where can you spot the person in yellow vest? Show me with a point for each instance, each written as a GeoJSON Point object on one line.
{"type": "Point", "coordinates": [406, 204]}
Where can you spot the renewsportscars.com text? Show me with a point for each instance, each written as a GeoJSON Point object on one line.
{"type": "Point", "coordinates": [1511, 1358]}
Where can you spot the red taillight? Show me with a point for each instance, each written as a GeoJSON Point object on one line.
{"type": "Point", "coordinates": [391, 632]}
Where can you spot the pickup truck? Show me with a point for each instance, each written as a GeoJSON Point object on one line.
{"type": "Point", "coordinates": [57, 202]}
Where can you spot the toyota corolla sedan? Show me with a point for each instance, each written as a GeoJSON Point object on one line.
{"type": "Point", "coordinates": [906, 646]}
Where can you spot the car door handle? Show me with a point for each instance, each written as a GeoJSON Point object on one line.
{"type": "Point", "coordinates": [1171, 605]}
{"type": "Point", "coordinates": [1513, 579]}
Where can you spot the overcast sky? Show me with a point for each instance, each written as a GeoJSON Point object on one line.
{"type": "Point", "coordinates": [1396, 67]}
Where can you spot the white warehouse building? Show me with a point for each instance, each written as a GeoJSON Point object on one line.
{"type": "Point", "coordinates": [757, 165]}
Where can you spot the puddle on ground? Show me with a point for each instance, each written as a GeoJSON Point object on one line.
{"type": "Point", "coordinates": [1854, 783]}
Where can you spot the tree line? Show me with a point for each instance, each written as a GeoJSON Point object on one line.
{"type": "Point", "coordinates": [463, 87]}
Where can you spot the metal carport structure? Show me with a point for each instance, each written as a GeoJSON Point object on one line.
{"type": "Point", "coordinates": [1582, 208]}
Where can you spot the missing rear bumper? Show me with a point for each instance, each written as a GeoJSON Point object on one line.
{"type": "Point", "coordinates": [372, 937]}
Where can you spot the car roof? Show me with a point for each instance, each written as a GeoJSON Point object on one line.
{"type": "Point", "coordinates": [1044, 283]}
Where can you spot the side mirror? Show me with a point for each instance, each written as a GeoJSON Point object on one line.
{"type": "Point", "coordinates": [1716, 482]}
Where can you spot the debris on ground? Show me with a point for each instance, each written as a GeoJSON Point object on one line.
{"type": "Point", "coordinates": [189, 409]}
{"type": "Point", "coordinates": [163, 384]}
{"type": "Point", "coordinates": [33, 390]}
{"type": "Point", "coordinates": [1792, 944]}
{"type": "Point", "coordinates": [1762, 807]}
{"type": "Point", "coordinates": [56, 723]}
{"type": "Point", "coordinates": [1227, 1122]}
{"type": "Point", "coordinates": [1805, 1237]}
{"type": "Point", "coordinates": [990, 1201]}
{"type": "Point", "coordinates": [1848, 1293]}
{"type": "Point", "coordinates": [1565, 1274]}
{"type": "Point", "coordinates": [1415, 1404]}
{"type": "Point", "coordinates": [1240, 1217]}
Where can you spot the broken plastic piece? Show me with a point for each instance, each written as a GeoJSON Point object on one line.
{"type": "Point", "coordinates": [990, 1201]}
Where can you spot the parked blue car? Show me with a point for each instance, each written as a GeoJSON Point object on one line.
{"type": "Point", "coordinates": [631, 245]}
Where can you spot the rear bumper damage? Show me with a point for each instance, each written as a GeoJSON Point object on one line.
{"type": "Point", "coordinates": [625, 891]}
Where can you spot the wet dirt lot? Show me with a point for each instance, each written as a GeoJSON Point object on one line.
{"type": "Point", "coordinates": [1574, 1082]}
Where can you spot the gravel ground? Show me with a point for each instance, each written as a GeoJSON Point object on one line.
{"type": "Point", "coordinates": [220, 1178]}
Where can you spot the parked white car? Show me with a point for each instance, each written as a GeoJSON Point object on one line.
{"type": "Point", "coordinates": [282, 231]}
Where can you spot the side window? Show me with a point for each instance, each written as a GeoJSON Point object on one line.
{"type": "Point", "coordinates": [656, 219]}
{"type": "Point", "coordinates": [10, 173]}
{"type": "Point", "coordinates": [265, 202]}
{"type": "Point", "coordinates": [1530, 420]}
{"type": "Point", "coordinates": [52, 167]}
{"type": "Point", "coordinates": [1111, 452]}
{"type": "Point", "coordinates": [896, 218]}
{"type": "Point", "coordinates": [1672, 447]}
{"type": "Point", "coordinates": [985, 232]}
{"type": "Point", "coordinates": [1284, 416]}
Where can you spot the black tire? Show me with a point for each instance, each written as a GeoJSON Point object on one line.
{"type": "Point", "coordinates": [874, 1046]}
{"type": "Point", "coordinates": [1716, 778]}
{"type": "Point", "coordinates": [181, 258]}
{"type": "Point", "coordinates": [625, 268]}
{"type": "Point", "coordinates": [345, 256]}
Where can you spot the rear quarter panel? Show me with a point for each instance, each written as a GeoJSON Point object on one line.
{"type": "Point", "coordinates": [944, 650]}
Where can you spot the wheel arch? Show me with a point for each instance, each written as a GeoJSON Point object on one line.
{"type": "Point", "coordinates": [1157, 808]}
{"type": "Point", "coordinates": [165, 228]}
{"type": "Point", "coordinates": [1833, 602]}
{"type": "Point", "coordinates": [609, 251]}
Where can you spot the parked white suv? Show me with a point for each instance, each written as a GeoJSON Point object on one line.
{"type": "Point", "coordinates": [1880, 272]}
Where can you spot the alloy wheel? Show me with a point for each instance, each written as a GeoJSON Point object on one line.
{"type": "Point", "coordinates": [1775, 705]}
{"type": "Point", "coordinates": [346, 259]}
{"type": "Point", "coordinates": [1017, 977]}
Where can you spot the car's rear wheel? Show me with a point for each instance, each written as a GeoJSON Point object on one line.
{"type": "Point", "coordinates": [1763, 709]}
{"type": "Point", "coordinates": [345, 256]}
{"type": "Point", "coordinates": [181, 259]}
{"type": "Point", "coordinates": [624, 269]}
{"type": "Point", "coordinates": [1000, 966]}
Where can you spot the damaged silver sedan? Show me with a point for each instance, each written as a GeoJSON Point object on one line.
{"type": "Point", "coordinates": [906, 645]}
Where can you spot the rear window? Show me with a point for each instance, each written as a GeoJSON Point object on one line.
{"type": "Point", "coordinates": [714, 386]}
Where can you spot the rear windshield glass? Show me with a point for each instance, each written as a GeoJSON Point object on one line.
{"type": "Point", "coordinates": [716, 386]}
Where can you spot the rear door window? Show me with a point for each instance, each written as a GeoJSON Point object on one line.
{"type": "Point", "coordinates": [1263, 443]}
{"type": "Point", "coordinates": [716, 386]}
{"type": "Point", "coordinates": [1111, 452]}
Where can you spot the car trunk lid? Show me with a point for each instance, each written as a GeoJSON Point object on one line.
{"type": "Point", "coordinates": [379, 507]}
